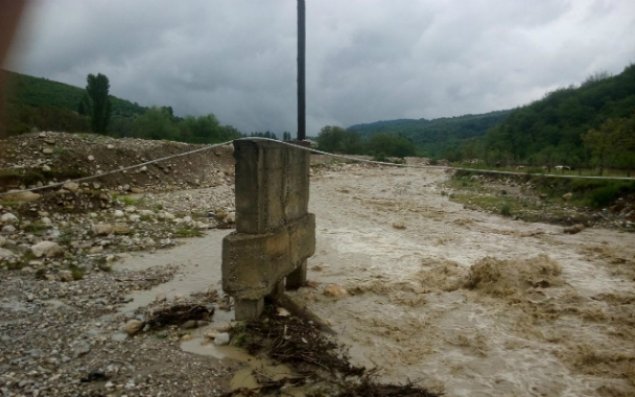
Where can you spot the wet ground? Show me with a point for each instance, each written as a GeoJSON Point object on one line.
{"type": "Point", "coordinates": [457, 301]}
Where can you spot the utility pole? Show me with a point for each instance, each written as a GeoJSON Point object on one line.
{"type": "Point", "coordinates": [301, 71]}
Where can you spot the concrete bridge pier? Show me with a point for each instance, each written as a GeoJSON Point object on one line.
{"type": "Point", "coordinates": [274, 234]}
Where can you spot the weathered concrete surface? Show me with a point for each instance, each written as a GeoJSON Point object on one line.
{"type": "Point", "coordinates": [272, 185]}
{"type": "Point", "coordinates": [275, 234]}
{"type": "Point", "coordinates": [254, 263]}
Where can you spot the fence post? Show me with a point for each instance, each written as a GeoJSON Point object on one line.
{"type": "Point", "coordinates": [274, 234]}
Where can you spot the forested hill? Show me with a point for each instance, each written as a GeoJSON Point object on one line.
{"type": "Point", "coordinates": [435, 137]}
{"type": "Point", "coordinates": [553, 129]}
{"type": "Point", "coordinates": [39, 103]}
{"type": "Point", "coordinates": [34, 103]}
{"type": "Point", "coordinates": [39, 92]}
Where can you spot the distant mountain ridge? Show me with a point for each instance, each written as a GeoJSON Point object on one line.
{"type": "Point", "coordinates": [436, 136]}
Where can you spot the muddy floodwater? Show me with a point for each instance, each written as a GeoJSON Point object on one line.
{"type": "Point", "coordinates": [457, 301]}
{"type": "Point", "coordinates": [468, 303]}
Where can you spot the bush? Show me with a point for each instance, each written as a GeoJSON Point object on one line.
{"type": "Point", "coordinates": [506, 209]}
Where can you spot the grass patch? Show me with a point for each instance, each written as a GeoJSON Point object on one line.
{"type": "Point", "coordinates": [37, 227]}
{"type": "Point", "coordinates": [187, 231]}
{"type": "Point", "coordinates": [127, 199]}
{"type": "Point", "coordinates": [506, 209]}
{"type": "Point", "coordinates": [77, 272]}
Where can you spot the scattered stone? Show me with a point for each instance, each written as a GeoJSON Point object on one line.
{"type": "Point", "coordinates": [66, 276]}
{"type": "Point", "coordinates": [24, 197]}
{"type": "Point", "coordinates": [118, 214]}
{"type": "Point", "coordinates": [230, 217]}
{"type": "Point", "coordinates": [132, 327]}
{"type": "Point", "coordinates": [71, 186]}
{"type": "Point", "coordinates": [190, 324]}
{"type": "Point", "coordinates": [8, 229]}
{"type": "Point", "coordinates": [46, 248]}
{"type": "Point", "coordinates": [222, 339]}
{"type": "Point", "coordinates": [567, 196]}
{"type": "Point", "coordinates": [91, 157]}
{"type": "Point", "coordinates": [121, 228]}
{"type": "Point", "coordinates": [103, 229]}
{"type": "Point", "coordinates": [9, 219]}
{"type": "Point", "coordinates": [81, 348]}
{"type": "Point", "coordinates": [47, 150]}
{"type": "Point", "coordinates": [6, 254]}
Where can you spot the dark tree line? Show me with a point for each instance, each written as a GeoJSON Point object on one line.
{"type": "Point", "coordinates": [338, 140]}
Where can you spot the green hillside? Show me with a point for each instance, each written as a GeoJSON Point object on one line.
{"type": "Point", "coordinates": [552, 130]}
{"type": "Point", "coordinates": [40, 92]}
{"type": "Point", "coordinates": [38, 103]}
{"type": "Point", "coordinates": [436, 137]}
{"type": "Point", "coordinates": [34, 103]}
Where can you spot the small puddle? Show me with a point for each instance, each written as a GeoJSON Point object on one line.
{"type": "Point", "coordinates": [255, 371]}
{"type": "Point", "coordinates": [199, 261]}
{"type": "Point", "coordinates": [199, 270]}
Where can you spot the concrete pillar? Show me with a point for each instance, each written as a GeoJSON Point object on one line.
{"type": "Point", "coordinates": [275, 234]}
{"type": "Point", "coordinates": [297, 278]}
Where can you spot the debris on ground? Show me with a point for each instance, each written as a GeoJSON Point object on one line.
{"type": "Point", "coordinates": [317, 361]}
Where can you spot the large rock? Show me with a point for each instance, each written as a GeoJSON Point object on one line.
{"type": "Point", "coordinates": [8, 219]}
{"type": "Point", "coordinates": [103, 229]}
{"type": "Point", "coordinates": [24, 197]}
{"type": "Point", "coordinates": [71, 186]}
{"type": "Point", "coordinates": [133, 326]}
{"type": "Point", "coordinates": [6, 254]}
{"type": "Point", "coordinates": [46, 248]}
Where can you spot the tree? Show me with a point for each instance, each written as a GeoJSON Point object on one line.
{"type": "Point", "coordinates": [338, 140]}
{"type": "Point", "coordinates": [96, 102]}
{"type": "Point", "coordinates": [382, 145]}
{"type": "Point", "coordinates": [612, 144]}
{"type": "Point", "coordinates": [155, 123]}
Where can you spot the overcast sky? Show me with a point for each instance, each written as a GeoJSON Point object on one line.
{"type": "Point", "coordinates": [367, 60]}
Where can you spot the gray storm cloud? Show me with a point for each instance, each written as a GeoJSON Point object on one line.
{"type": "Point", "coordinates": [366, 59]}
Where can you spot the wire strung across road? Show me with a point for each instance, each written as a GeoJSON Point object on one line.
{"type": "Point", "coordinates": [309, 149]}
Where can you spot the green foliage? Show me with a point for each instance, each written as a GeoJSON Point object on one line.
{"type": "Point", "coordinates": [338, 140]}
{"type": "Point", "coordinates": [506, 209]}
{"type": "Point", "coordinates": [382, 145]}
{"type": "Point", "coordinates": [97, 102]}
{"type": "Point", "coordinates": [40, 104]}
{"type": "Point", "coordinates": [155, 123]}
{"type": "Point", "coordinates": [612, 144]}
{"type": "Point", "coordinates": [266, 134]}
{"type": "Point", "coordinates": [187, 231]}
{"type": "Point", "coordinates": [440, 137]}
{"type": "Point", "coordinates": [550, 131]}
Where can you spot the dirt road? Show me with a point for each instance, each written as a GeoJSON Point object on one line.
{"type": "Point", "coordinates": [467, 303]}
